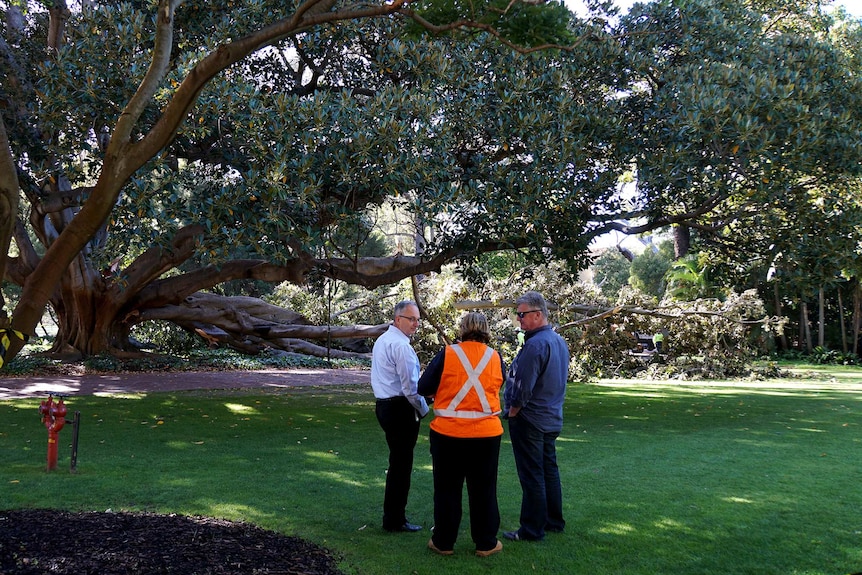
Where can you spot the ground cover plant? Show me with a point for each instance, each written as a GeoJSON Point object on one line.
{"type": "Point", "coordinates": [659, 477]}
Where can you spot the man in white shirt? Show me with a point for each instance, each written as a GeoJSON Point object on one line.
{"type": "Point", "coordinates": [399, 407]}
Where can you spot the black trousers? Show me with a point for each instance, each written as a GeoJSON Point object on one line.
{"type": "Point", "coordinates": [474, 460]}
{"type": "Point", "coordinates": [400, 423]}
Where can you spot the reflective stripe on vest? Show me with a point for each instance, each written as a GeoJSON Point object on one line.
{"type": "Point", "coordinates": [472, 383]}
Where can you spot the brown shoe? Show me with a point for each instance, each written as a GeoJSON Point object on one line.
{"type": "Point", "coordinates": [434, 548]}
{"type": "Point", "coordinates": [497, 548]}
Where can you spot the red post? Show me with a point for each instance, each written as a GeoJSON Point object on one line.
{"type": "Point", "coordinates": [54, 418]}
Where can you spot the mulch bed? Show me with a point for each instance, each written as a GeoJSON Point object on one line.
{"type": "Point", "coordinates": [42, 541]}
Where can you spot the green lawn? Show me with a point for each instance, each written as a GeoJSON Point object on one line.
{"type": "Point", "coordinates": [659, 477]}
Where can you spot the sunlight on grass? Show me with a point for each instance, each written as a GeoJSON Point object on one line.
{"type": "Point", "coordinates": [27, 404]}
{"type": "Point", "coordinates": [336, 478]}
{"type": "Point", "coordinates": [570, 440]}
{"type": "Point", "coordinates": [323, 455]}
{"type": "Point", "coordinates": [120, 395]}
{"type": "Point", "coordinates": [177, 482]}
{"type": "Point", "coordinates": [185, 444]}
{"type": "Point", "coordinates": [617, 529]}
{"type": "Point", "coordinates": [737, 500]}
{"type": "Point", "coordinates": [234, 510]}
{"type": "Point", "coordinates": [781, 387]}
{"type": "Point", "coordinates": [670, 524]}
{"type": "Point", "coordinates": [241, 409]}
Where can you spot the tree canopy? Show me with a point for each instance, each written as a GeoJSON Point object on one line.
{"type": "Point", "coordinates": [162, 149]}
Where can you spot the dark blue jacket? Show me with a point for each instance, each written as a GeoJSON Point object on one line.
{"type": "Point", "coordinates": [537, 379]}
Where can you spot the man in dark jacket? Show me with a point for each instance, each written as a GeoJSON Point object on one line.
{"type": "Point", "coordinates": [534, 395]}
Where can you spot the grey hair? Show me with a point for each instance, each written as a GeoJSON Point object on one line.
{"type": "Point", "coordinates": [402, 305]}
{"type": "Point", "coordinates": [535, 300]}
{"type": "Point", "coordinates": [474, 327]}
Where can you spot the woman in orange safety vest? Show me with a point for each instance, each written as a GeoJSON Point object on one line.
{"type": "Point", "coordinates": [464, 381]}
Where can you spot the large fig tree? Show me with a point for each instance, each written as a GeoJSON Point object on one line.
{"type": "Point", "coordinates": [162, 149]}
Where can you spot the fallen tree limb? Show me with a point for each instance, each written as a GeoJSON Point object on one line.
{"type": "Point", "coordinates": [601, 312]}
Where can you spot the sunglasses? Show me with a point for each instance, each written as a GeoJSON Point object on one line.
{"type": "Point", "coordinates": [521, 314]}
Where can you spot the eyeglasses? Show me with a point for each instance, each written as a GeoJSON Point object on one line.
{"type": "Point", "coordinates": [410, 319]}
{"type": "Point", "coordinates": [521, 314]}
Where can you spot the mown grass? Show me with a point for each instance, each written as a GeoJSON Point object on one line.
{"type": "Point", "coordinates": [659, 478]}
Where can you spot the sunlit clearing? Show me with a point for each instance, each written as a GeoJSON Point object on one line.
{"type": "Point", "coordinates": [242, 409]}
{"type": "Point", "coordinates": [336, 477]}
{"type": "Point", "coordinates": [617, 529]}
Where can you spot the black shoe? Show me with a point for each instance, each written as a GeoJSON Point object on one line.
{"type": "Point", "coordinates": [516, 536]}
{"type": "Point", "coordinates": [406, 528]}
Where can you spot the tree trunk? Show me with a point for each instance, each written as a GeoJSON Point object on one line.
{"type": "Point", "coordinates": [841, 319]}
{"type": "Point", "coordinates": [681, 241]}
{"type": "Point", "coordinates": [857, 314]}
{"type": "Point", "coordinates": [779, 311]}
{"type": "Point", "coordinates": [821, 317]}
{"type": "Point", "coordinates": [805, 328]}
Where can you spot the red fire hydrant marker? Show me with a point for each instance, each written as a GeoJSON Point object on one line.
{"type": "Point", "coordinates": [54, 418]}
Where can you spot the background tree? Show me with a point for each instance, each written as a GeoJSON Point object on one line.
{"type": "Point", "coordinates": [648, 270]}
{"type": "Point", "coordinates": [688, 278]}
{"type": "Point", "coordinates": [611, 271]}
{"type": "Point", "coordinates": [720, 94]}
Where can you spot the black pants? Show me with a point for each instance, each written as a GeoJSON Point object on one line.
{"type": "Point", "coordinates": [476, 461]}
{"type": "Point", "coordinates": [400, 423]}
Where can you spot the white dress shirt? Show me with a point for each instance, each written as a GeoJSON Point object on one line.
{"type": "Point", "coordinates": [395, 369]}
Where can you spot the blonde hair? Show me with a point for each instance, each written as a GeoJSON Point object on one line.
{"type": "Point", "coordinates": [474, 327]}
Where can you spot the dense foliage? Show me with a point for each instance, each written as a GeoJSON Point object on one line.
{"type": "Point", "coordinates": [164, 150]}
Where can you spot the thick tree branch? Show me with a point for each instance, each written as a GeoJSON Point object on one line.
{"type": "Point", "coordinates": [153, 263]}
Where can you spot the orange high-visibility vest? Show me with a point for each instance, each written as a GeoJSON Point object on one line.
{"type": "Point", "coordinates": [467, 402]}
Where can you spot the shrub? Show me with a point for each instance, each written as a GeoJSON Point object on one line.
{"type": "Point", "coordinates": [821, 355]}
{"type": "Point", "coordinates": [166, 337]}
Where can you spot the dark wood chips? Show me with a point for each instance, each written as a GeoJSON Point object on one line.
{"type": "Point", "coordinates": [42, 541]}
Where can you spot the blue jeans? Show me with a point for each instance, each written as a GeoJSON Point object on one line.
{"type": "Point", "coordinates": [542, 494]}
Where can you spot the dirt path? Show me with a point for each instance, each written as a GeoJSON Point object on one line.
{"type": "Point", "coordinates": [40, 386]}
